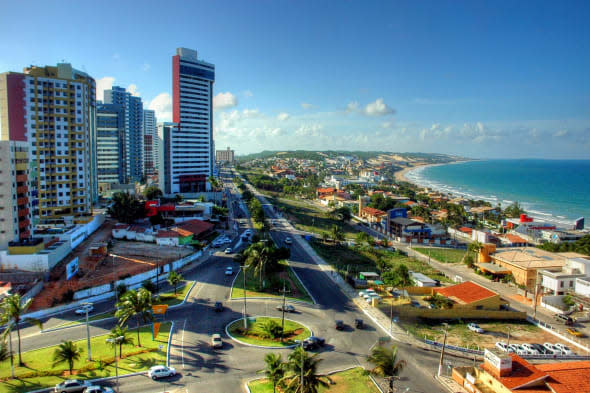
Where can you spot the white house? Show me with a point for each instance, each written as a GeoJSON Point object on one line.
{"type": "Point", "coordinates": [422, 281]}
{"type": "Point", "coordinates": [167, 238]}
{"type": "Point", "coordinates": [120, 231]}
{"type": "Point", "coordinates": [559, 282]}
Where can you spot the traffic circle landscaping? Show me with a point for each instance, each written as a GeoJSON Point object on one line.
{"type": "Point", "coordinates": [266, 332]}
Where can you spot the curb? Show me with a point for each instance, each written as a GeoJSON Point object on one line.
{"type": "Point", "coordinates": [263, 346]}
{"type": "Point", "coordinates": [303, 285]}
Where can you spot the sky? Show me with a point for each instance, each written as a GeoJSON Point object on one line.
{"type": "Point", "coordinates": [481, 79]}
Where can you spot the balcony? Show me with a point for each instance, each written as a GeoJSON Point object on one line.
{"type": "Point", "coordinates": [24, 235]}
{"type": "Point", "coordinates": [23, 224]}
{"type": "Point", "coordinates": [22, 189]}
{"type": "Point", "coordinates": [21, 178]}
{"type": "Point", "coordinates": [23, 212]}
{"type": "Point", "coordinates": [22, 201]}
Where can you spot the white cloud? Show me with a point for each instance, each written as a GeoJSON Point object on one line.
{"type": "Point", "coordinates": [102, 84]}
{"type": "Point", "coordinates": [146, 67]}
{"type": "Point", "coordinates": [251, 113]}
{"type": "Point", "coordinates": [309, 130]}
{"type": "Point", "coordinates": [387, 124]}
{"type": "Point", "coordinates": [247, 93]}
{"type": "Point", "coordinates": [162, 104]}
{"type": "Point", "coordinates": [283, 116]}
{"type": "Point", "coordinates": [306, 105]}
{"type": "Point", "coordinates": [132, 88]}
{"type": "Point", "coordinates": [378, 108]}
{"type": "Point", "coordinates": [225, 101]}
{"type": "Point", "coordinates": [352, 106]}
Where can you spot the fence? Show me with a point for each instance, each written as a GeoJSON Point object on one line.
{"type": "Point", "coordinates": [456, 313]}
{"type": "Point", "coordinates": [551, 329]}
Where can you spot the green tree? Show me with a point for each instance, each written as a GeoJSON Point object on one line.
{"type": "Point", "coordinates": [174, 278]}
{"type": "Point", "coordinates": [311, 379]}
{"type": "Point", "coordinates": [269, 329]}
{"type": "Point", "coordinates": [126, 208]}
{"type": "Point", "coordinates": [568, 301]}
{"type": "Point", "coordinates": [386, 363]}
{"type": "Point", "coordinates": [120, 331]}
{"type": "Point", "coordinates": [264, 257]}
{"type": "Point", "coordinates": [152, 192]}
{"type": "Point", "coordinates": [274, 370]}
{"type": "Point", "coordinates": [342, 214]}
{"type": "Point", "coordinates": [363, 238]}
{"type": "Point", "coordinates": [136, 304]}
{"type": "Point", "coordinates": [149, 285]}
{"type": "Point", "coordinates": [514, 210]}
{"type": "Point", "coordinates": [325, 236]}
{"type": "Point", "coordinates": [12, 316]}
{"type": "Point", "coordinates": [67, 352]}
{"type": "Point", "coordinates": [475, 247]}
{"type": "Point", "coordinates": [337, 234]}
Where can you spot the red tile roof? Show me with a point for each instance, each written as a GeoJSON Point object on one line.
{"type": "Point", "coordinates": [164, 233]}
{"type": "Point", "coordinates": [514, 239]}
{"type": "Point", "coordinates": [325, 190]}
{"type": "Point", "coordinates": [567, 377]}
{"type": "Point", "coordinates": [469, 231]}
{"type": "Point", "coordinates": [410, 203]}
{"type": "Point", "coordinates": [196, 227]}
{"type": "Point", "coordinates": [467, 292]}
{"type": "Point", "coordinates": [523, 373]}
{"type": "Point", "coordinates": [182, 232]}
{"type": "Point", "coordinates": [373, 212]}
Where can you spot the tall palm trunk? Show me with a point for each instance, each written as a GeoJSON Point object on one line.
{"type": "Point", "coordinates": [138, 341]}
{"type": "Point", "coordinates": [20, 359]}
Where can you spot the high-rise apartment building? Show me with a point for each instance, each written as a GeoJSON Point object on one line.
{"type": "Point", "coordinates": [165, 131]}
{"type": "Point", "coordinates": [110, 134]}
{"type": "Point", "coordinates": [132, 152]}
{"type": "Point", "coordinates": [225, 155]}
{"type": "Point", "coordinates": [47, 121]}
{"type": "Point", "coordinates": [191, 142]}
{"type": "Point", "coordinates": [150, 150]}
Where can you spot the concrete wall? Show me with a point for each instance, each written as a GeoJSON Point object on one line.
{"type": "Point", "coordinates": [455, 313]}
{"type": "Point", "coordinates": [31, 262]}
{"type": "Point", "coordinates": [58, 254]}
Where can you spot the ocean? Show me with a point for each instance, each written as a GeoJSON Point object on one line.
{"type": "Point", "coordinates": [553, 190]}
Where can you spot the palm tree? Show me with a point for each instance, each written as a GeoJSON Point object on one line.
{"type": "Point", "coordinates": [476, 248]}
{"type": "Point", "coordinates": [325, 237]}
{"type": "Point", "coordinates": [174, 278]}
{"type": "Point", "coordinates": [386, 363]}
{"type": "Point", "coordinates": [4, 352]}
{"type": "Point", "coordinates": [259, 256]}
{"type": "Point", "coordinates": [311, 379]}
{"type": "Point", "coordinates": [119, 331]}
{"type": "Point", "coordinates": [12, 312]}
{"type": "Point", "coordinates": [66, 352]}
{"type": "Point", "coordinates": [275, 369]}
{"type": "Point", "coordinates": [136, 304]}
{"type": "Point", "coordinates": [337, 234]}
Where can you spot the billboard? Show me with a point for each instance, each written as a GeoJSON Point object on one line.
{"type": "Point", "coordinates": [72, 268]}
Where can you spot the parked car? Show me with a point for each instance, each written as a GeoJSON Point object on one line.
{"type": "Point", "coordinates": [502, 346]}
{"type": "Point", "coordinates": [228, 250]}
{"type": "Point", "coordinates": [564, 318]}
{"type": "Point", "coordinates": [564, 349]}
{"type": "Point", "coordinates": [288, 308]}
{"type": "Point", "coordinates": [359, 324]}
{"type": "Point", "coordinates": [474, 327]}
{"type": "Point", "coordinates": [339, 324]}
{"type": "Point", "coordinates": [530, 349]}
{"type": "Point", "coordinates": [229, 271]}
{"type": "Point", "coordinates": [288, 240]}
{"type": "Point", "coordinates": [216, 341]}
{"type": "Point", "coordinates": [313, 342]}
{"type": "Point", "coordinates": [552, 349]}
{"type": "Point", "coordinates": [574, 332]}
{"type": "Point", "coordinates": [226, 240]}
{"type": "Point", "coordinates": [82, 310]}
{"type": "Point", "coordinates": [218, 306]}
{"type": "Point", "coordinates": [71, 386]}
{"type": "Point", "coordinates": [539, 348]}
{"type": "Point", "coordinates": [362, 294]}
{"type": "Point", "coordinates": [157, 372]}
{"type": "Point", "coordinates": [98, 389]}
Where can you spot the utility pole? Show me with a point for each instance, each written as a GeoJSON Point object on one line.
{"type": "Point", "coordinates": [442, 353]}
{"type": "Point", "coordinates": [244, 276]}
{"type": "Point", "coordinates": [86, 308]}
{"type": "Point", "coordinates": [115, 341]}
{"type": "Point", "coordinates": [283, 318]}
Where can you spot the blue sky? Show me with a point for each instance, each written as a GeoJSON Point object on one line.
{"type": "Point", "coordinates": [475, 78]}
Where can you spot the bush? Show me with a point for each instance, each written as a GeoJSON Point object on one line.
{"type": "Point", "coordinates": [121, 289]}
{"type": "Point", "coordinates": [68, 296]}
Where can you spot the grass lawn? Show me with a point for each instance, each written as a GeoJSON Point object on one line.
{"type": "Point", "coordinates": [354, 380]}
{"type": "Point", "coordinates": [298, 332]}
{"type": "Point", "coordinates": [252, 283]}
{"type": "Point", "coordinates": [40, 373]}
{"type": "Point", "coordinates": [445, 255]}
{"type": "Point", "coordinates": [362, 258]}
{"type": "Point", "coordinates": [165, 298]}
{"type": "Point", "coordinates": [311, 218]}
{"type": "Point", "coordinates": [460, 335]}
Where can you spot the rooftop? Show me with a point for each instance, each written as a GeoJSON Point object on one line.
{"type": "Point", "coordinates": [523, 373]}
{"type": "Point", "coordinates": [529, 257]}
{"type": "Point", "coordinates": [465, 293]}
{"type": "Point", "coordinates": [567, 377]}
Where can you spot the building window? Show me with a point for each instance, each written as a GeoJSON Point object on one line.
{"type": "Point", "coordinates": [561, 284]}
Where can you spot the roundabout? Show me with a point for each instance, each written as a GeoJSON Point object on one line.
{"type": "Point", "coordinates": [265, 332]}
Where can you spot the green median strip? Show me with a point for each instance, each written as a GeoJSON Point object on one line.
{"type": "Point", "coordinates": [255, 336]}
{"type": "Point", "coordinates": [273, 286]}
{"type": "Point", "coordinates": [355, 380]}
{"type": "Point", "coordinates": [39, 372]}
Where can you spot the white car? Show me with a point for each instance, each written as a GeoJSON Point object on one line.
{"type": "Point", "coordinates": [98, 389]}
{"type": "Point", "coordinates": [530, 349]}
{"type": "Point", "coordinates": [216, 341]}
{"type": "Point", "coordinates": [564, 349]}
{"type": "Point", "coordinates": [501, 345]}
{"type": "Point", "coordinates": [362, 294]}
{"type": "Point", "coordinates": [226, 240]}
{"type": "Point", "coordinates": [552, 349]}
{"type": "Point", "coordinates": [474, 327]}
{"type": "Point", "coordinates": [82, 310]}
{"type": "Point", "coordinates": [288, 240]}
{"type": "Point", "coordinates": [228, 250]}
{"type": "Point", "coordinates": [161, 372]}
{"type": "Point", "coordinates": [229, 271]}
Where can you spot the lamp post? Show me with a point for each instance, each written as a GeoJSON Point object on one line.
{"type": "Point", "coordinates": [115, 279]}
{"type": "Point", "coordinates": [115, 341]}
{"type": "Point", "coordinates": [87, 306]}
{"type": "Point", "coordinates": [442, 353]}
{"type": "Point", "coordinates": [243, 267]}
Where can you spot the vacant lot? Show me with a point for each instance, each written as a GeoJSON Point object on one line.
{"type": "Point", "coordinates": [445, 255]}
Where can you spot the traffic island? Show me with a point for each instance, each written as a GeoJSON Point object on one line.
{"type": "Point", "coordinates": [265, 332]}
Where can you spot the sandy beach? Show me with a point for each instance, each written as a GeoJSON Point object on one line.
{"type": "Point", "coordinates": [401, 175]}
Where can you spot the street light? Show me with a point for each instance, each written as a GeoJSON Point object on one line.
{"type": "Point", "coordinates": [87, 306]}
{"type": "Point", "coordinates": [243, 267]}
{"type": "Point", "coordinates": [115, 341]}
{"type": "Point", "coordinates": [115, 279]}
{"type": "Point", "coordinates": [442, 353]}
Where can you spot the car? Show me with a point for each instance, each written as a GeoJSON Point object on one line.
{"type": "Point", "coordinates": [71, 386]}
{"type": "Point", "coordinates": [288, 240]}
{"type": "Point", "coordinates": [228, 250]}
{"type": "Point", "coordinates": [574, 332]}
{"type": "Point", "coordinates": [564, 318]}
{"type": "Point", "coordinates": [226, 240]}
{"type": "Point", "coordinates": [157, 372]}
{"type": "Point", "coordinates": [530, 349]}
{"type": "Point", "coordinates": [359, 324]}
{"type": "Point", "coordinates": [539, 348]}
{"type": "Point", "coordinates": [229, 271]}
{"type": "Point", "coordinates": [474, 327]}
{"type": "Point", "coordinates": [98, 389]}
{"type": "Point", "coordinates": [287, 308]}
{"type": "Point", "coordinates": [564, 349]}
{"type": "Point", "coordinates": [552, 349]}
{"type": "Point", "coordinates": [502, 346]}
{"type": "Point", "coordinates": [415, 303]}
{"type": "Point", "coordinates": [82, 310]}
{"type": "Point", "coordinates": [218, 307]}
{"type": "Point", "coordinates": [313, 342]}
{"type": "Point", "coordinates": [339, 324]}
{"type": "Point", "coordinates": [216, 341]}
{"type": "Point", "coordinates": [362, 294]}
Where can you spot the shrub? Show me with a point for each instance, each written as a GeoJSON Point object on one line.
{"type": "Point", "coordinates": [68, 296]}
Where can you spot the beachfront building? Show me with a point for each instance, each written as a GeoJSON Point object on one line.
{"type": "Point", "coordinates": [563, 281]}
